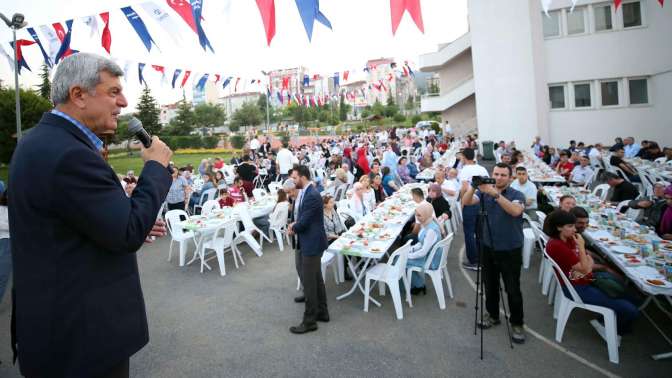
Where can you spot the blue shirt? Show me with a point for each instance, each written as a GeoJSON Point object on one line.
{"type": "Point", "coordinates": [89, 134]}
{"type": "Point", "coordinates": [506, 230]}
{"type": "Point", "coordinates": [631, 150]}
{"type": "Point", "coordinates": [386, 184]}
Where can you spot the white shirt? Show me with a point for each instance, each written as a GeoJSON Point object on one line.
{"type": "Point", "coordinates": [370, 198]}
{"type": "Point", "coordinates": [254, 144]}
{"type": "Point", "coordinates": [471, 170]}
{"type": "Point", "coordinates": [529, 190]}
{"type": "Point", "coordinates": [4, 223]}
{"type": "Point", "coordinates": [359, 208]}
{"type": "Point", "coordinates": [451, 185]}
{"type": "Point", "coordinates": [581, 174]}
{"type": "Point", "coordinates": [285, 160]}
{"type": "Point", "coordinates": [278, 217]}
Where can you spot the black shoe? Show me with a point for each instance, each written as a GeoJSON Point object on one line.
{"type": "Point", "coordinates": [300, 299]}
{"type": "Point", "coordinates": [418, 290]}
{"type": "Point", "coordinates": [470, 266]}
{"type": "Point", "coordinates": [303, 328]}
{"type": "Point", "coordinates": [323, 318]}
{"type": "Point", "coordinates": [488, 322]}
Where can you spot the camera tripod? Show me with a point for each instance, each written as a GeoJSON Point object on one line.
{"type": "Point", "coordinates": [483, 222]}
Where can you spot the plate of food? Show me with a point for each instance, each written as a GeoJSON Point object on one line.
{"type": "Point", "coordinates": [658, 282]}
{"type": "Point", "coordinates": [377, 250]}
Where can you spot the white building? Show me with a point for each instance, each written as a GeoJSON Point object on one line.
{"type": "Point", "coordinates": [235, 101]}
{"type": "Point", "coordinates": [590, 75]}
{"type": "Point", "coordinates": [207, 95]}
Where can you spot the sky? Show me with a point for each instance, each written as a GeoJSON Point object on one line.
{"type": "Point", "coordinates": [361, 31]}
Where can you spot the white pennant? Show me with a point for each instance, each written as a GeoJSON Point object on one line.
{"type": "Point", "coordinates": [164, 19]}
{"type": "Point", "coordinates": [10, 60]}
{"type": "Point", "coordinates": [573, 5]}
{"type": "Point", "coordinates": [92, 23]}
{"type": "Point", "coordinates": [545, 4]}
{"type": "Point", "coordinates": [52, 41]}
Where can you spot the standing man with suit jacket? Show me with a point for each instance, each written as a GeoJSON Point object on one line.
{"type": "Point", "coordinates": [312, 240]}
{"type": "Point", "coordinates": [79, 308]}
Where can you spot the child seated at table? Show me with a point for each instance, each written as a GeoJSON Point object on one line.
{"type": "Point", "coordinates": [237, 191]}
{"type": "Point", "coordinates": [225, 200]}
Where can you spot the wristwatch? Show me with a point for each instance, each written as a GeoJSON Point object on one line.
{"type": "Point", "coordinates": [497, 196]}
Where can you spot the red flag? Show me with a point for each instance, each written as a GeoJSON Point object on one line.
{"type": "Point", "coordinates": [316, 77]}
{"type": "Point", "coordinates": [106, 39]}
{"type": "Point", "coordinates": [60, 32]}
{"type": "Point", "coordinates": [345, 75]}
{"type": "Point", "coordinates": [267, 10]}
{"type": "Point", "coordinates": [217, 77]}
{"type": "Point", "coordinates": [183, 8]}
{"type": "Point", "coordinates": [398, 7]}
{"type": "Point", "coordinates": [285, 82]}
{"type": "Point", "coordinates": [235, 88]}
{"type": "Point", "coordinates": [405, 70]}
{"type": "Point", "coordinates": [617, 3]}
{"type": "Point", "coordinates": [185, 78]}
{"type": "Point", "coordinates": [159, 68]}
{"type": "Point", "coordinates": [662, 3]}
{"type": "Point", "coordinates": [20, 43]}
{"type": "Point", "coordinates": [382, 85]}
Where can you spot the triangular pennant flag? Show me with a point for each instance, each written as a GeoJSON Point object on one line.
{"type": "Point", "coordinates": [176, 74]}
{"type": "Point", "coordinates": [306, 80]}
{"type": "Point", "coordinates": [92, 23]}
{"type": "Point", "coordinates": [183, 8]}
{"type": "Point", "coordinates": [310, 11]}
{"type": "Point", "coordinates": [345, 75]}
{"type": "Point", "coordinates": [141, 66]}
{"type": "Point", "coordinates": [545, 4]}
{"type": "Point", "coordinates": [47, 60]}
{"type": "Point", "coordinates": [19, 53]}
{"type": "Point", "coordinates": [52, 42]}
{"type": "Point", "coordinates": [197, 8]}
{"type": "Point", "coordinates": [164, 19]}
{"type": "Point", "coordinates": [267, 10]}
{"type": "Point", "coordinates": [397, 9]}
{"type": "Point", "coordinates": [279, 95]}
{"type": "Point", "coordinates": [336, 79]}
{"type": "Point", "coordinates": [617, 3]}
{"type": "Point", "coordinates": [217, 78]}
{"type": "Point", "coordinates": [106, 38]}
{"type": "Point", "coordinates": [226, 82]}
{"type": "Point", "coordinates": [162, 71]}
{"type": "Point", "coordinates": [571, 10]}
{"type": "Point", "coordinates": [201, 82]}
{"type": "Point", "coordinates": [65, 41]}
{"type": "Point", "coordinates": [139, 26]}
{"type": "Point", "coordinates": [185, 78]}
{"type": "Point", "coordinates": [662, 3]}
{"type": "Point", "coordinates": [235, 87]}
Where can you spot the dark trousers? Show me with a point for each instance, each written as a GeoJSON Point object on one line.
{"type": "Point", "coordinates": [298, 263]}
{"type": "Point", "coordinates": [176, 206]}
{"type": "Point", "coordinates": [313, 289]}
{"type": "Point", "coordinates": [119, 371]}
{"type": "Point", "coordinates": [469, 222]}
{"type": "Point", "coordinates": [626, 311]}
{"type": "Point", "coordinates": [506, 264]}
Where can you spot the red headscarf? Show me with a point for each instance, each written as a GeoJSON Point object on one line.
{"type": "Point", "coordinates": [362, 161]}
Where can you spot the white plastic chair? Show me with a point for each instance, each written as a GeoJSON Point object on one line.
{"type": "Point", "coordinates": [208, 195]}
{"type": "Point", "coordinates": [273, 187]}
{"type": "Point", "coordinates": [249, 226]}
{"type": "Point", "coordinates": [601, 191]}
{"type": "Point", "coordinates": [608, 332]}
{"type": "Point", "coordinates": [541, 216]}
{"type": "Point", "coordinates": [390, 273]}
{"type": "Point", "coordinates": [529, 237]}
{"type": "Point", "coordinates": [221, 244]}
{"type": "Point", "coordinates": [259, 193]}
{"type": "Point", "coordinates": [209, 206]}
{"type": "Point", "coordinates": [439, 273]}
{"type": "Point", "coordinates": [177, 234]}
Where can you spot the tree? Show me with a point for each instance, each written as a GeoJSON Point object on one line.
{"type": "Point", "coordinates": [246, 115]}
{"type": "Point", "coordinates": [410, 103]}
{"type": "Point", "coordinates": [343, 109]}
{"type": "Point", "coordinates": [378, 109]}
{"type": "Point", "coordinates": [183, 123]}
{"type": "Point", "coordinates": [391, 108]}
{"type": "Point", "coordinates": [45, 87]}
{"type": "Point", "coordinates": [148, 112]}
{"type": "Point", "coordinates": [206, 115]}
{"type": "Point", "coordinates": [32, 107]}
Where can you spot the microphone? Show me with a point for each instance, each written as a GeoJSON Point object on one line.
{"type": "Point", "coordinates": [135, 127]}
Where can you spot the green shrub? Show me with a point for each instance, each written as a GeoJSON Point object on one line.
{"type": "Point", "coordinates": [209, 142]}
{"type": "Point", "coordinates": [415, 119]}
{"type": "Point", "coordinates": [237, 141]}
{"type": "Point", "coordinates": [399, 118]}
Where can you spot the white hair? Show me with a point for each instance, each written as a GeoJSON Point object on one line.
{"type": "Point", "coordinates": [83, 70]}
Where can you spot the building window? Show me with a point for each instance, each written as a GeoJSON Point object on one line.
{"type": "Point", "coordinates": [632, 14]}
{"type": "Point", "coordinates": [582, 95]}
{"type": "Point", "coordinates": [551, 24]}
{"type": "Point", "coordinates": [556, 94]}
{"type": "Point", "coordinates": [576, 23]}
{"type": "Point", "coordinates": [639, 93]}
{"type": "Point", "coordinates": [609, 92]}
{"type": "Point", "coordinates": [603, 17]}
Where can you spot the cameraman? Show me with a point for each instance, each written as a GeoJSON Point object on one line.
{"type": "Point", "coordinates": [502, 254]}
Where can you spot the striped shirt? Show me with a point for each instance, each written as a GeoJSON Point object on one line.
{"type": "Point", "coordinates": [89, 134]}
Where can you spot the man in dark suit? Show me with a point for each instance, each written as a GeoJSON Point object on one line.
{"type": "Point", "coordinates": [79, 308]}
{"type": "Point", "coordinates": [312, 241]}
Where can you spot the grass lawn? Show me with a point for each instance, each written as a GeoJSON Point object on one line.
{"type": "Point", "coordinates": [121, 164]}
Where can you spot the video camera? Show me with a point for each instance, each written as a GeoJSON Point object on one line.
{"type": "Point", "coordinates": [477, 181]}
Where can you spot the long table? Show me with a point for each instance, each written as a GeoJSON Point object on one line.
{"type": "Point", "coordinates": [539, 172]}
{"type": "Point", "coordinates": [372, 237]}
{"type": "Point", "coordinates": [446, 160]}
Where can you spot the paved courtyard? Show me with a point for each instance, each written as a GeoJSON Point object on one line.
{"type": "Point", "coordinates": [204, 325]}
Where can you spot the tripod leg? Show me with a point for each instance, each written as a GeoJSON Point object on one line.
{"type": "Point", "coordinates": [506, 314]}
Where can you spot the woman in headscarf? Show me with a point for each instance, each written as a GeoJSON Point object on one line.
{"type": "Point", "coordinates": [402, 171]}
{"type": "Point", "coordinates": [439, 203]}
{"type": "Point", "coordinates": [665, 227]}
{"type": "Point", "coordinates": [430, 234]}
{"type": "Point", "coordinates": [362, 163]}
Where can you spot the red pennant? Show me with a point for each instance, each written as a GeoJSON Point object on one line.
{"type": "Point", "coordinates": [183, 8]}
{"type": "Point", "coordinates": [217, 77]}
{"type": "Point", "coordinates": [345, 75]}
{"type": "Point", "coordinates": [159, 68]}
{"type": "Point", "coordinates": [60, 33]}
{"type": "Point", "coordinates": [397, 8]}
{"type": "Point", "coordinates": [285, 82]}
{"type": "Point", "coordinates": [662, 3]}
{"type": "Point", "coordinates": [235, 88]}
{"type": "Point", "coordinates": [185, 78]}
{"type": "Point", "coordinates": [316, 77]}
{"type": "Point", "coordinates": [267, 10]}
{"type": "Point", "coordinates": [106, 39]}
{"type": "Point", "coordinates": [617, 3]}
{"type": "Point", "coordinates": [20, 43]}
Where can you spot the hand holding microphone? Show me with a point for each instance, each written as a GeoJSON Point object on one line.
{"type": "Point", "coordinates": [154, 148]}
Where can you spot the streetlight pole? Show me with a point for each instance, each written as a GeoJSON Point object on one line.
{"type": "Point", "coordinates": [18, 21]}
{"type": "Point", "coordinates": [17, 95]}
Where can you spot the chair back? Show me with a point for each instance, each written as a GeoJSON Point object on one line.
{"type": "Point", "coordinates": [396, 265]}
{"type": "Point", "coordinates": [620, 172]}
{"type": "Point", "coordinates": [259, 193]}
{"type": "Point", "coordinates": [243, 212]}
{"type": "Point", "coordinates": [340, 193]}
{"type": "Point", "coordinates": [208, 195]}
{"type": "Point", "coordinates": [601, 191]}
{"type": "Point", "coordinates": [560, 275]}
{"type": "Point", "coordinates": [225, 232]}
{"type": "Point", "coordinates": [173, 217]}
{"type": "Point", "coordinates": [444, 246]}
{"type": "Point", "coordinates": [273, 187]}
{"type": "Point", "coordinates": [541, 216]}
{"type": "Point", "coordinates": [208, 206]}
{"type": "Point", "coordinates": [660, 160]}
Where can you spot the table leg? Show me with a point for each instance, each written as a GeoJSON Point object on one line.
{"type": "Point", "coordinates": [358, 278]}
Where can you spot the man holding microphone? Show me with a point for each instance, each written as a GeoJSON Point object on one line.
{"type": "Point", "coordinates": [78, 304]}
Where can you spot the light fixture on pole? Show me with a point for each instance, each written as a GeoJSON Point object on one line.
{"type": "Point", "coordinates": [17, 22]}
{"type": "Point", "coordinates": [268, 118]}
